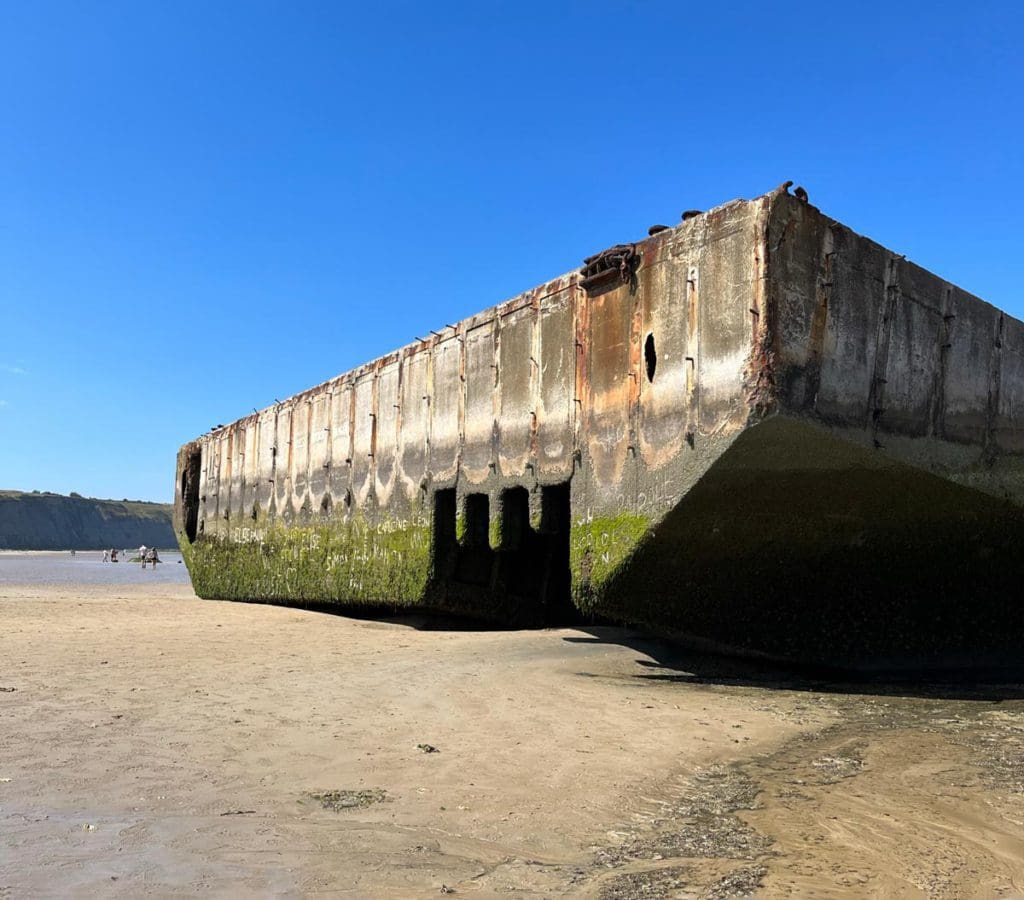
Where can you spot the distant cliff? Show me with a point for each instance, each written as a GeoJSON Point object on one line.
{"type": "Point", "coordinates": [43, 521]}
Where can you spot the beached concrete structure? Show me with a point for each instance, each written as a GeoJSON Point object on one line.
{"type": "Point", "coordinates": [756, 429]}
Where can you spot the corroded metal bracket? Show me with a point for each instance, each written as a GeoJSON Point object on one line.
{"type": "Point", "coordinates": [616, 265]}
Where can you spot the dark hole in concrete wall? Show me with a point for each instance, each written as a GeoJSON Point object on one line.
{"type": "Point", "coordinates": [190, 494]}
{"type": "Point", "coordinates": [325, 506]}
{"type": "Point", "coordinates": [478, 520]}
{"type": "Point", "coordinates": [522, 558]}
{"type": "Point", "coordinates": [475, 557]}
{"type": "Point", "coordinates": [650, 356]}
{"type": "Point", "coordinates": [526, 581]}
{"type": "Point", "coordinates": [533, 563]}
{"type": "Point", "coordinates": [443, 540]}
{"type": "Point", "coordinates": [515, 519]}
{"type": "Point", "coordinates": [555, 522]}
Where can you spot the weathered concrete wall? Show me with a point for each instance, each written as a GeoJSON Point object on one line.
{"type": "Point", "coordinates": [579, 439]}
{"type": "Point", "coordinates": [548, 388]}
{"type": "Point", "coordinates": [890, 356]}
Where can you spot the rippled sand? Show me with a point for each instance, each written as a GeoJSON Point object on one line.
{"type": "Point", "coordinates": [152, 743]}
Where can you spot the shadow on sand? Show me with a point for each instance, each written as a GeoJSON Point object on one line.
{"type": "Point", "coordinates": [667, 661]}
{"type": "Point", "coordinates": [680, 662]}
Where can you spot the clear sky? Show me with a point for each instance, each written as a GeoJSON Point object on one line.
{"type": "Point", "coordinates": [207, 206]}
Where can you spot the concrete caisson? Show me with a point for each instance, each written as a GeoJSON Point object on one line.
{"type": "Point", "coordinates": [757, 429]}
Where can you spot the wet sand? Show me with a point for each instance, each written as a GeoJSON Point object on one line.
{"type": "Point", "coordinates": [154, 744]}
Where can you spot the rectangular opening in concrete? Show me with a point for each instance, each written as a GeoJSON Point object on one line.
{"type": "Point", "coordinates": [533, 563]}
{"type": "Point", "coordinates": [525, 579]}
{"type": "Point", "coordinates": [478, 520]}
{"type": "Point", "coordinates": [555, 521]}
{"type": "Point", "coordinates": [476, 559]}
{"type": "Point", "coordinates": [515, 519]}
{"type": "Point", "coordinates": [443, 540]}
{"type": "Point", "coordinates": [523, 554]}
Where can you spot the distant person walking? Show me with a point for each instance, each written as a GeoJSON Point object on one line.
{"type": "Point", "coordinates": [152, 557]}
{"type": "Point", "coordinates": [72, 554]}
{"type": "Point", "coordinates": [142, 555]}
{"type": "Point", "coordinates": [113, 555]}
{"type": "Point", "coordinates": [106, 556]}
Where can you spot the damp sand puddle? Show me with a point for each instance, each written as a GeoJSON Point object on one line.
{"type": "Point", "coordinates": [62, 570]}
{"type": "Point", "coordinates": [919, 796]}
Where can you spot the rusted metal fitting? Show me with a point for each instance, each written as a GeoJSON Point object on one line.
{"type": "Point", "coordinates": [617, 263]}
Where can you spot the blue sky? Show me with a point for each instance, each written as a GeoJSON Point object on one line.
{"type": "Point", "coordinates": [206, 206]}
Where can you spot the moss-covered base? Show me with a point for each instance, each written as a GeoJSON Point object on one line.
{"type": "Point", "coordinates": [598, 550]}
{"type": "Point", "coordinates": [351, 562]}
{"type": "Point", "coordinates": [394, 564]}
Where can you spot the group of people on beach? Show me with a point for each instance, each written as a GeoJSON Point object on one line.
{"type": "Point", "coordinates": [147, 555]}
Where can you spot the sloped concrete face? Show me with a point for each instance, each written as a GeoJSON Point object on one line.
{"type": "Point", "coordinates": [685, 433]}
{"type": "Point", "coordinates": [888, 356]}
{"type": "Point", "coordinates": [797, 545]}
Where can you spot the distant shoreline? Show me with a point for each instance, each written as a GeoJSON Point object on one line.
{"type": "Point", "coordinates": [44, 521]}
{"type": "Point", "coordinates": [10, 552]}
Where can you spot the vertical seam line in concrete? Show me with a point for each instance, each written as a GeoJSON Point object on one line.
{"type": "Point", "coordinates": [938, 417]}
{"type": "Point", "coordinates": [890, 301]}
{"type": "Point", "coordinates": [994, 391]}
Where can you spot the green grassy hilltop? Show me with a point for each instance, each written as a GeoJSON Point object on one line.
{"type": "Point", "coordinates": [45, 521]}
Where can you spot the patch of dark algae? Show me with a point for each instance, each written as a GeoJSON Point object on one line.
{"type": "Point", "coordinates": [653, 883]}
{"type": "Point", "coordinates": [701, 822]}
{"type": "Point", "coordinates": [683, 881]}
{"type": "Point", "coordinates": [337, 800]}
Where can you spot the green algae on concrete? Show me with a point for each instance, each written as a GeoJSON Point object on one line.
{"type": "Point", "coordinates": [598, 549]}
{"type": "Point", "coordinates": [495, 531]}
{"type": "Point", "coordinates": [347, 563]}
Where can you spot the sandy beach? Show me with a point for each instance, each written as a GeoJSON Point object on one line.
{"type": "Point", "coordinates": [153, 744]}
